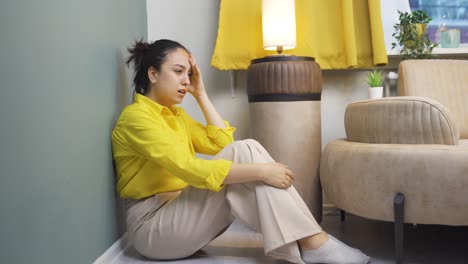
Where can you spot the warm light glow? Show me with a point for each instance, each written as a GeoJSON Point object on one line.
{"type": "Point", "coordinates": [279, 24]}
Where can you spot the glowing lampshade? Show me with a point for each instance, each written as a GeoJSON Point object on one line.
{"type": "Point", "coordinates": [279, 24]}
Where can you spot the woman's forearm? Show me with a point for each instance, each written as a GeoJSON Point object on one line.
{"type": "Point", "coordinates": [240, 173]}
{"type": "Point", "coordinates": [273, 173]}
{"type": "Point", "coordinates": [211, 115]}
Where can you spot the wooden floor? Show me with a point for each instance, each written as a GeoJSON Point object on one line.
{"type": "Point", "coordinates": [425, 244]}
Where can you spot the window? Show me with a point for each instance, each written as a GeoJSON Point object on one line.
{"type": "Point", "coordinates": [444, 13]}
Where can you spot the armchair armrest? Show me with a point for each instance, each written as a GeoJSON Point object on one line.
{"type": "Point", "coordinates": [401, 120]}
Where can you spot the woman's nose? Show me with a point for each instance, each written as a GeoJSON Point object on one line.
{"type": "Point", "coordinates": [186, 80]}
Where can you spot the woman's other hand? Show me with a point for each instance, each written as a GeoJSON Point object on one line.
{"type": "Point", "coordinates": [276, 174]}
{"type": "Point", "coordinates": [196, 88]}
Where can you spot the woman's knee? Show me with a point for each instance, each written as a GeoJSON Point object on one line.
{"type": "Point", "coordinates": [246, 142]}
{"type": "Point", "coordinates": [251, 141]}
{"type": "Point", "coordinates": [245, 151]}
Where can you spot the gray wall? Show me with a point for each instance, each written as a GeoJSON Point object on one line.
{"type": "Point", "coordinates": [62, 85]}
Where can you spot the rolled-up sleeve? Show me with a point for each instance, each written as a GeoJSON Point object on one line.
{"type": "Point", "coordinates": [153, 141]}
{"type": "Point", "coordinates": [209, 139]}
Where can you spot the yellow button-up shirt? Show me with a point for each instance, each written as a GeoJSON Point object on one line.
{"type": "Point", "coordinates": [154, 150]}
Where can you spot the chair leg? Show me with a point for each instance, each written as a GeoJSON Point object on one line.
{"type": "Point", "coordinates": [342, 215]}
{"type": "Point", "coordinates": [398, 206]}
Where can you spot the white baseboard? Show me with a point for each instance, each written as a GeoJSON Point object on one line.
{"type": "Point", "coordinates": [113, 253]}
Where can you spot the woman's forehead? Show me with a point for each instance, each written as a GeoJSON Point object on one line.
{"type": "Point", "coordinates": [178, 56]}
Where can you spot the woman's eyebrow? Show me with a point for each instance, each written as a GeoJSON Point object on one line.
{"type": "Point", "coordinates": [180, 65]}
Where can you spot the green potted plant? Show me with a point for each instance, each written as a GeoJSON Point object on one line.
{"type": "Point", "coordinates": [375, 80]}
{"type": "Point", "coordinates": [411, 35]}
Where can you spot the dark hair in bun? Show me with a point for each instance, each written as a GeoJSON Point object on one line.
{"type": "Point", "coordinates": [145, 55]}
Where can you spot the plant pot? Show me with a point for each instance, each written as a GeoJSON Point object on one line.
{"type": "Point", "coordinates": [418, 29]}
{"type": "Point", "coordinates": [421, 28]}
{"type": "Point", "coordinates": [375, 92]}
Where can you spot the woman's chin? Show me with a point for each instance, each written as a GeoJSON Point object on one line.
{"type": "Point", "coordinates": [178, 100]}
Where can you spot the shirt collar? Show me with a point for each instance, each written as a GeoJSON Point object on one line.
{"type": "Point", "coordinates": [160, 109]}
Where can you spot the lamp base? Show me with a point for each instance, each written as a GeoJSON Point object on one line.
{"type": "Point", "coordinates": [284, 93]}
{"type": "Point", "coordinates": [281, 57]}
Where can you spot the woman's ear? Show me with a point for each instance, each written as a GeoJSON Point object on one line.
{"type": "Point", "coordinates": [153, 75]}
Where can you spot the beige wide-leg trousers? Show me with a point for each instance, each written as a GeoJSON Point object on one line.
{"type": "Point", "coordinates": [177, 224]}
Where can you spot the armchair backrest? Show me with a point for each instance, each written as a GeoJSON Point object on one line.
{"type": "Point", "coordinates": [443, 80]}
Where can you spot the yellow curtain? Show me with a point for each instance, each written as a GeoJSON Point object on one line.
{"type": "Point", "coordinates": [339, 34]}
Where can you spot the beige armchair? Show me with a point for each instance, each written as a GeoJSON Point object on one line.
{"type": "Point", "coordinates": [405, 158]}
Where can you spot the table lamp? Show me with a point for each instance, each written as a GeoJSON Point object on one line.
{"type": "Point", "coordinates": [278, 25]}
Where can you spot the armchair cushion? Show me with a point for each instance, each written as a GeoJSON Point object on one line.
{"type": "Point", "coordinates": [401, 120]}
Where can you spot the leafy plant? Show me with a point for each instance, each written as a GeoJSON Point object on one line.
{"type": "Point", "coordinates": [411, 35]}
{"type": "Point", "coordinates": [375, 78]}
{"type": "Point", "coordinates": [420, 17]}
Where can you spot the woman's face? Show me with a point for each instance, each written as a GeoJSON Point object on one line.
{"type": "Point", "coordinates": [172, 81]}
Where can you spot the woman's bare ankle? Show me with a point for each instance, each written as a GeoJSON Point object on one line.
{"type": "Point", "coordinates": [313, 242]}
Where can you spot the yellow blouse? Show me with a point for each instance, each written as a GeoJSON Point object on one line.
{"type": "Point", "coordinates": [154, 150]}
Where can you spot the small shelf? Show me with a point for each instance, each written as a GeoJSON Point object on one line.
{"type": "Point", "coordinates": [460, 53]}
{"type": "Point", "coordinates": [394, 57]}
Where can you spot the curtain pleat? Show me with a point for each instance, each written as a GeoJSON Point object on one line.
{"type": "Point", "coordinates": [377, 33]}
{"type": "Point", "coordinates": [339, 34]}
